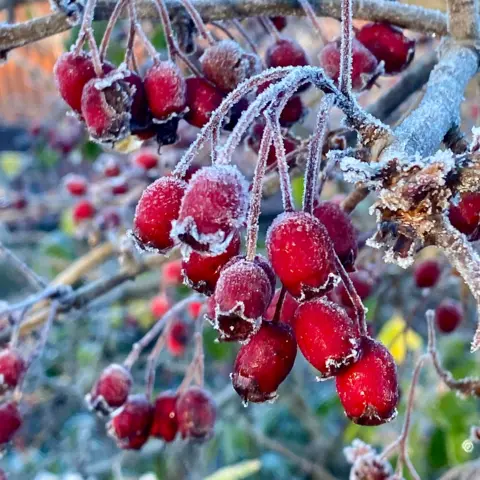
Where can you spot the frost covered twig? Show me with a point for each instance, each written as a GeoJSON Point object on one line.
{"type": "Point", "coordinates": [463, 19]}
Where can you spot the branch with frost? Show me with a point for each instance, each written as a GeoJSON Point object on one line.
{"type": "Point", "coordinates": [463, 19]}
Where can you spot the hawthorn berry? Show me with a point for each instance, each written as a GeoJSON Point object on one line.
{"type": "Point", "coordinates": [172, 273]}
{"type": "Point", "coordinates": [119, 186]}
{"type": "Point", "coordinates": [111, 390]}
{"type": "Point", "coordinates": [368, 389]}
{"type": "Point", "coordinates": [12, 368]}
{"type": "Point", "coordinates": [140, 116]}
{"type": "Point", "coordinates": [427, 273]}
{"type": "Point", "coordinates": [465, 216]}
{"type": "Point", "coordinates": [279, 22]}
{"type": "Point", "coordinates": [301, 254]}
{"type": "Point", "coordinates": [10, 422]}
{"type": "Point", "coordinates": [145, 159]}
{"type": "Point", "coordinates": [326, 336]}
{"type": "Point", "coordinates": [286, 52]}
{"type": "Point", "coordinates": [213, 208]}
{"type": "Point", "coordinates": [388, 44]}
{"type": "Point", "coordinates": [287, 313]}
{"type": "Point", "coordinates": [158, 206]}
{"type": "Point", "coordinates": [448, 315]}
{"type": "Point", "coordinates": [83, 210]}
{"type": "Point", "coordinates": [363, 284]}
{"type": "Point", "coordinates": [293, 111]}
{"type": "Point", "coordinates": [76, 185]}
{"type": "Point", "coordinates": [111, 168]}
{"type": "Point", "coordinates": [177, 338]}
{"type": "Point", "coordinates": [196, 413]}
{"type": "Point", "coordinates": [159, 305]}
{"type": "Point", "coordinates": [264, 362]}
{"type": "Point", "coordinates": [201, 272]}
{"type": "Point", "coordinates": [203, 99]}
{"type": "Point", "coordinates": [194, 309]}
{"type": "Point", "coordinates": [130, 424]}
{"type": "Point", "coordinates": [165, 423]}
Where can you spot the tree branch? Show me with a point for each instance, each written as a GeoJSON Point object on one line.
{"type": "Point", "coordinates": [463, 19]}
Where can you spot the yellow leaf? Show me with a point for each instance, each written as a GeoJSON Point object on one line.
{"type": "Point", "coordinates": [237, 471]}
{"type": "Point", "coordinates": [11, 163]}
{"type": "Point", "coordinates": [128, 145]}
{"type": "Point", "coordinates": [140, 310]}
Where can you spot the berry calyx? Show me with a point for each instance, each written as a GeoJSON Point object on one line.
{"type": "Point", "coordinates": [287, 313]}
{"type": "Point", "coordinates": [264, 362]}
{"type": "Point", "coordinates": [177, 338]}
{"type": "Point", "coordinates": [203, 99]}
{"type": "Point", "coordinates": [465, 216]}
{"type": "Point", "coordinates": [82, 211]}
{"type": "Point", "coordinates": [76, 185]}
{"type": "Point", "coordinates": [158, 206]}
{"type": "Point", "coordinates": [10, 422]}
{"type": "Point", "coordinates": [159, 305]}
{"type": "Point", "coordinates": [12, 368]}
{"type": "Point", "coordinates": [165, 424]}
{"type": "Point", "coordinates": [448, 315]}
{"type": "Point", "coordinates": [368, 389]}
{"type": "Point", "coordinates": [326, 336]}
{"type": "Point", "coordinates": [427, 274]}
{"type": "Point", "coordinates": [145, 159]}
{"type": "Point", "coordinates": [196, 414]}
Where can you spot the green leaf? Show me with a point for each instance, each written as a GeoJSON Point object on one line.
{"type": "Point", "coordinates": [437, 450]}
{"type": "Point", "coordinates": [219, 351]}
{"type": "Point", "coordinates": [158, 39]}
{"type": "Point", "coordinates": [297, 189]}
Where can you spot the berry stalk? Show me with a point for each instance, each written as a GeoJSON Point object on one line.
{"type": "Point", "coordinates": [119, 6]}
{"type": "Point", "coordinates": [307, 8]}
{"type": "Point", "coordinates": [345, 77]}
{"type": "Point", "coordinates": [198, 21]}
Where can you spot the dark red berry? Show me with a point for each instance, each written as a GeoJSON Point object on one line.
{"type": "Point", "coordinates": [279, 22]}
{"type": "Point", "coordinates": [368, 389]}
{"type": "Point", "coordinates": [203, 99]}
{"type": "Point", "coordinates": [111, 167]}
{"type": "Point", "coordinates": [235, 113]}
{"type": "Point", "coordinates": [226, 65]}
{"type": "Point", "coordinates": [326, 336]}
{"type": "Point", "coordinates": [12, 368]}
{"type": "Point", "coordinates": [83, 210]}
{"type": "Point", "coordinates": [448, 315]}
{"type": "Point", "coordinates": [159, 305]}
{"type": "Point", "coordinates": [130, 425]}
{"type": "Point", "coordinates": [177, 338]}
{"type": "Point", "coordinates": [196, 413]}
{"type": "Point", "coordinates": [293, 111]}
{"type": "Point", "coordinates": [76, 185]}
{"type": "Point", "coordinates": [286, 52]}
{"type": "Point", "coordinates": [301, 253]}
{"type": "Point", "coordinates": [363, 284]}
{"type": "Point", "coordinates": [201, 272]}
{"type": "Point", "coordinates": [289, 307]}
{"type": "Point", "coordinates": [213, 208]}
{"type": "Point", "coordinates": [158, 206]}
{"type": "Point", "coordinates": [388, 44]}
{"type": "Point", "coordinates": [119, 186]}
{"type": "Point", "coordinates": [145, 159]}
{"type": "Point", "coordinates": [140, 113]}
{"type": "Point", "coordinates": [465, 216]}
{"type": "Point", "coordinates": [10, 422]}
{"type": "Point", "coordinates": [166, 90]}
{"type": "Point", "coordinates": [165, 424]}
{"type": "Point", "coordinates": [427, 273]}
{"type": "Point", "coordinates": [111, 390]}
{"type": "Point", "coordinates": [264, 362]}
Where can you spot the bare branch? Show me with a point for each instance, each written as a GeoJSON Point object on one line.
{"type": "Point", "coordinates": [463, 19]}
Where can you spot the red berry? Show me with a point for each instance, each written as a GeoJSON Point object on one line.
{"type": "Point", "coordinates": [111, 390]}
{"type": "Point", "coordinates": [448, 315]}
{"type": "Point", "coordinates": [341, 230]}
{"type": "Point", "coordinates": [213, 208]}
{"type": "Point", "coordinates": [19, 201]}
{"type": "Point", "coordinates": [140, 113]}
{"type": "Point", "coordinates": [289, 307]}
{"type": "Point", "coordinates": [365, 68]}
{"type": "Point", "coordinates": [301, 254]}
{"type": "Point", "coordinates": [203, 99]}
{"type": "Point", "coordinates": [286, 52]}
{"type": "Point", "coordinates": [165, 423]}
{"type": "Point", "coordinates": [427, 273]}
{"type": "Point", "coordinates": [159, 305]}
{"type": "Point", "coordinates": [196, 413]}
{"type": "Point", "coordinates": [279, 22]}
{"type": "Point", "coordinates": [368, 389]}
{"type": "Point", "coordinates": [76, 185]}
{"type": "Point", "coordinates": [158, 206]}
{"type": "Point", "coordinates": [12, 368]}
{"type": "Point", "coordinates": [119, 186]}
{"type": "Point", "coordinates": [145, 159]}
{"type": "Point", "coordinates": [264, 362]}
{"type": "Point", "coordinates": [177, 338]}
{"type": "Point", "coordinates": [172, 273]}
{"type": "Point", "coordinates": [388, 44]}
{"type": "Point", "coordinates": [363, 283]}
{"type": "Point", "coordinates": [465, 216]}
{"type": "Point", "coordinates": [10, 422]}
{"type": "Point", "coordinates": [201, 272]}
{"type": "Point", "coordinates": [194, 309]}
{"type": "Point", "coordinates": [166, 90]}
{"type": "Point", "coordinates": [111, 167]}
{"type": "Point", "coordinates": [326, 336]}
{"type": "Point", "coordinates": [226, 64]}
{"type": "Point", "coordinates": [83, 210]}
{"type": "Point", "coordinates": [293, 111]}
{"type": "Point", "coordinates": [130, 425]}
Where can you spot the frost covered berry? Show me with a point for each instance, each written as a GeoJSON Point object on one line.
{"type": "Point", "coordinates": [427, 273]}
{"type": "Point", "coordinates": [130, 425]}
{"type": "Point", "coordinates": [76, 185]}
{"type": "Point", "coordinates": [301, 254]}
{"type": "Point", "coordinates": [465, 216]}
{"type": "Point", "coordinates": [159, 305]}
{"type": "Point", "coordinates": [203, 98]}
{"type": "Point", "coordinates": [213, 208]}
{"type": "Point", "coordinates": [363, 284]}
{"type": "Point", "coordinates": [12, 368]}
{"type": "Point", "coordinates": [326, 336]}
{"type": "Point", "coordinates": [388, 44]}
{"type": "Point", "coordinates": [286, 52]}
{"type": "Point", "coordinates": [111, 390]}
{"type": "Point", "coordinates": [158, 206]}
{"type": "Point", "coordinates": [166, 90]}
{"type": "Point", "coordinates": [201, 272]}
{"type": "Point", "coordinates": [196, 413]}
{"type": "Point", "coordinates": [368, 389]}
{"type": "Point", "coordinates": [365, 68]}
{"type": "Point", "coordinates": [448, 315]}
{"type": "Point", "coordinates": [165, 424]}
{"type": "Point", "coordinates": [287, 313]}
{"type": "Point", "coordinates": [145, 159]}
{"type": "Point", "coordinates": [264, 362]}
{"type": "Point", "coordinates": [226, 65]}
{"type": "Point", "coordinates": [83, 210]}
{"type": "Point", "coordinates": [293, 111]}
{"type": "Point", "coordinates": [341, 230]}
{"type": "Point", "coordinates": [10, 422]}
{"type": "Point", "coordinates": [177, 338]}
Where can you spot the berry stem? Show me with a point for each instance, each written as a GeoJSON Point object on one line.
{"type": "Point", "coordinates": [345, 79]}
{"type": "Point", "coordinates": [195, 370]}
{"type": "Point", "coordinates": [270, 27]}
{"type": "Point", "coordinates": [198, 21]}
{"type": "Point", "coordinates": [241, 30]}
{"type": "Point", "coordinates": [132, 10]}
{"type": "Point", "coordinates": [97, 63]}
{"type": "Point", "coordinates": [130, 60]}
{"type": "Point", "coordinates": [117, 10]}
{"type": "Point", "coordinates": [278, 308]}
{"type": "Point", "coordinates": [167, 28]}
{"type": "Point", "coordinates": [85, 25]}
{"type": "Point", "coordinates": [315, 149]}
{"type": "Point", "coordinates": [307, 8]}
{"type": "Point", "coordinates": [256, 194]}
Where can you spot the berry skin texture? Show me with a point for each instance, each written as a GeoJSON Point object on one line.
{"type": "Point", "coordinates": [213, 208]}
{"type": "Point", "coordinates": [165, 423]}
{"type": "Point", "coordinates": [448, 315]}
{"type": "Point", "coordinates": [111, 390]}
{"type": "Point", "coordinates": [196, 414]}
{"type": "Point", "coordinates": [166, 90]}
{"type": "Point", "coordinates": [159, 305]}
{"type": "Point", "coordinates": [264, 362]}
{"type": "Point", "coordinates": [203, 99]}
{"type": "Point", "coordinates": [76, 185]}
{"type": "Point", "coordinates": [226, 65]}
{"type": "Point", "coordinates": [427, 274]}
{"type": "Point", "coordinates": [12, 369]}
{"type": "Point", "coordinates": [10, 422]}
{"type": "Point", "coordinates": [130, 425]}
{"type": "Point", "coordinates": [326, 336]}
{"type": "Point", "coordinates": [301, 254]}
{"type": "Point", "coordinates": [201, 272]}
{"type": "Point", "coordinates": [465, 216]}
{"type": "Point", "coordinates": [388, 44]}
{"type": "Point", "coordinates": [341, 230]}
{"type": "Point", "coordinates": [368, 389]}
{"type": "Point", "coordinates": [289, 307]}
{"type": "Point", "coordinates": [285, 52]}
{"type": "Point", "coordinates": [83, 210]}
{"type": "Point", "coordinates": [158, 206]}
{"type": "Point", "coordinates": [177, 338]}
